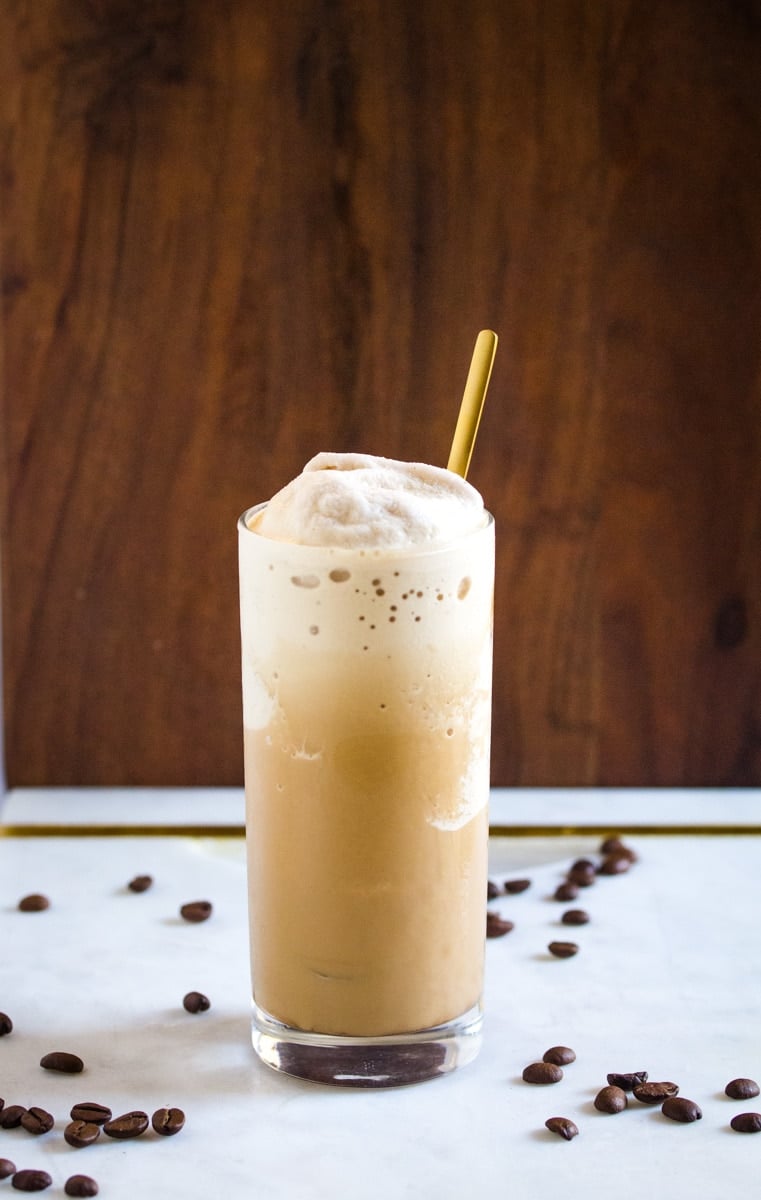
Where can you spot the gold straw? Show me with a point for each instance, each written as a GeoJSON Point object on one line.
{"type": "Point", "coordinates": [472, 402]}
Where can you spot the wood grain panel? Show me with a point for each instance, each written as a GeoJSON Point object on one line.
{"type": "Point", "coordinates": [235, 234]}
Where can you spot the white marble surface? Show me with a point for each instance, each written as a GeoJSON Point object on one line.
{"type": "Point", "coordinates": [668, 979]}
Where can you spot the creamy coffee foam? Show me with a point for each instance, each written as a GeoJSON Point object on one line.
{"type": "Point", "coordinates": [362, 501]}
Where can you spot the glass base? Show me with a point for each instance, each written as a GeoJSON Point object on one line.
{"type": "Point", "coordinates": [368, 1062]}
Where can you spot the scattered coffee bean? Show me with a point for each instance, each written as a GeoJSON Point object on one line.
{"type": "Point", "coordinates": [60, 1060]}
{"type": "Point", "coordinates": [128, 1125]}
{"type": "Point", "coordinates": [583, 872]}
{"type": "Point", "coordinates": [497, 926]}
{"type": "Point", "coordinates": [542, 1072]}
{"type": "Point", "coordinates": [678, 1108]}
{"type": "Point", "coordinates": [10, 1117]}
{"type": "Point", "coordinates": [575, 916]}
{"type": "Point", "coordinates": [628, 1081]}
{"type": "Point", "coordinates": [749, 1122]}
{"type": "Point", "coordinates": [80, 1133]}
{"type": "Point", "coordinates": [80, 1185]}
{"type": "Point", "coordinates": [611, 1099]}
{"type": "Point", "coordinates": [614, 845]}
{"type": "Point", "coordinates": [560, 1055]}
{"type": "Point", "coordinates": [7, 1168]}
{"type": "Point", "coordinates": [654, 1093]}
{"type": "Point", "coordinates": [514, 886]}
{"type": "Point", "coordinates": [168, 1121]}
{"type": "Point", "coordinates": [31, 1181]}
{"type": "Point", "coordinates": [33, 903]}
{"type": "Point", "coordinates": [566, 891]}
{"type": "Point", "coordinates": [196, 1002]}
{"type": "Point", "coordinates": [614, 864]}
{"type": "Point", "coordinates": [492, 891]}
{"type": "Point", "coordinates": [196, 911]}
{"type": "Point", "coordinates": [563, 1127]}
{"type": "Point", "coordinates": [741, 1089]}
{"type": "Point", "coordinates": [6, 1024]}
{"type": "Point", "coordinates": [94, 1114]}
{"type": "Point", "coordinates": [37, 1120]}
{"type": "Point", "coordinates": [563, 949]}
{"type": "Point", "coordinates": [140, 883]}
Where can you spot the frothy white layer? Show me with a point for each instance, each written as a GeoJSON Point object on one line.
{"type": "Point", "coordinates": [362, 501]}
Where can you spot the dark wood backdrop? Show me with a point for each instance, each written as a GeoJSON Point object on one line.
{"type": "Point", "coordinates": [235, 233]}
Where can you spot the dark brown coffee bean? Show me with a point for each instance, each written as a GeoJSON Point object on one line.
{"type": "Point", "coordinates": [31, 1181]}
{"type": "Point", "coordinates": [678, 1108]}
{"type": "Point", "coordinates": [566, 891]}
{"type": "Point", "coordinates": [492, 891]}
{"type": "Point", "coordinates": [80, 1185]}
{"type": "Point", "coordinates": [542, 1072]}
{"type": "Point", "coordinates": [140, 883]}
{"type": "Point", "coordinates": [81, 1133]}
{"type": "Point", "coordinates": [60, 1060]}
{"type": "Point", "coordinates": [6, 1024]}
{"type": "Point", "coordinates": [742, 1089]}
{"type": "Point", "coordinates": [614, 845]}
{"type": "Point", "coordinates": [575, 916]}
{"type": "Point", "coordinates": [128, 1125]}
{"type": "Point", "coordinates": [196, 911]}
{"type": "Point", "coordinates": [583, 872]}
{"type": "Point", "coordinates": [563, 949]}
{"type": "Point", "coordinates": [34, 903]}
{"type": "Point", "coordinates": [168, 1121]}
{"type": "Point", "coordinates": [10, 1117]}
{"type": "Point", "coordinates": [196, 1002]}
{"type": "Point", "coordinates": [628, 1081]}
{"type": "Point", "coordinates": [560, 1055]}
{"type": "Point", "coordinates": [497, 926]}
{"type": "Point", "coordinates": [93, 1114]}
{"type": "Point", "coordinates": [614, 864]}
{"type": "Point", "coordinates": [611, 1099]}
{"type": "Point", "coordinates": [655, 1093]}
{"type": "Point", "coordinates": [563, 1127]}
{"type": "Point", "coordinates": [514, 887]}
{"type": "Point", "coordinates": [37, 1120]}
{"type": "Point", "coordinates": [7, 1168]}
{"type": "Point", "coordinates": [749, 1122]}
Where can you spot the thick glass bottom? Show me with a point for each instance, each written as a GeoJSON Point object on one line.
{"type": "Point", "coordinates": [368, 1062]}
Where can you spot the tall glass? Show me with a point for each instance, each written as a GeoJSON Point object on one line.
{"type": "Point", "coordinates": [367, 710]}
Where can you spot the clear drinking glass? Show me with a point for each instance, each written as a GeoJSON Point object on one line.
{"type": "Point", "coordinates": [367, 711]}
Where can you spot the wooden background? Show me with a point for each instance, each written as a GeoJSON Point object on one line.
{"type": "Point", "coordinates": [235, 233]}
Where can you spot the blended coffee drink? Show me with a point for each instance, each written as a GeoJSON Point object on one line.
{"type": "Point", "coordinates": [366, 616]}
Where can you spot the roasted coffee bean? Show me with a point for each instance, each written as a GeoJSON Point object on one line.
{"type": "Point", "coordinates": [614, 864]}
{"type": "Point", "coordinates": [37, 1120]}
{"type": "Point", "coordinates": [196, 911]}
{"type": "Point", "coordinates": [497, 926]}
{"type": "Point", "coordinates": [560, 1055]}
{"type": "Point", "coordinates": [614, 845]}
{"type": "Point", "coordinates": [563, 949]}
{"type": "Point", "coordinates": [514, 886]}
{"type": "Point", "coordinates": [583, 872]}
{"type": "Point", "coordinates": [563, 1127]}
{"type": "Point", "coordinates": [654, 1093]}
{"type": "Point", "coordinates": [749, 1122]}
{"type": "Point", "coordinates": [628, 1081]}
{"type": "Point", "coordinates": [611, 1099]}
{"type": "Point", "coordinates": [6, 1024]}
{"type": "Point", "coordinates": [678, 1108]}
{"type": "Point", "coordinates": [34, 903]}
{"type": "Point", "coordinates": [566, 891]}
{"type": "Point", "coordinates": [94, 1114]}
{"type": "Point", "coordinates": [575, 916]}
{"type": "Point", "coordinates": [80, 1185]}
{"type": "Point", "coordinates": [80, 1133]}
{"type": "Point", "coordinates": [196, 1002]}
{"type": "Point", "coordinates": [128, 1125]}
{"type": "Point", "coordinates": [60, 1060]}
{"type": "Point", "coordinates": [542, 1072]}
{"type": "Point", "coordinates": [742, 1089]}
{"type": "Point", "coordinates": [168, 1121]}
{"type": "Point", "coordinates": [7, 1168]}
{"type": "Point", "coordinates": [31, 1181]}
{"type": "Point", "coordinates": [10, 1117]}
{"type": "Point", "coordinates": [140, 883]}
{"type": "Point", "coordinates": [492, 891]}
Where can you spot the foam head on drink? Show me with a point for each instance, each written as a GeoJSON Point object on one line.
{"type": "Point", "coordinates": [366, 611]}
